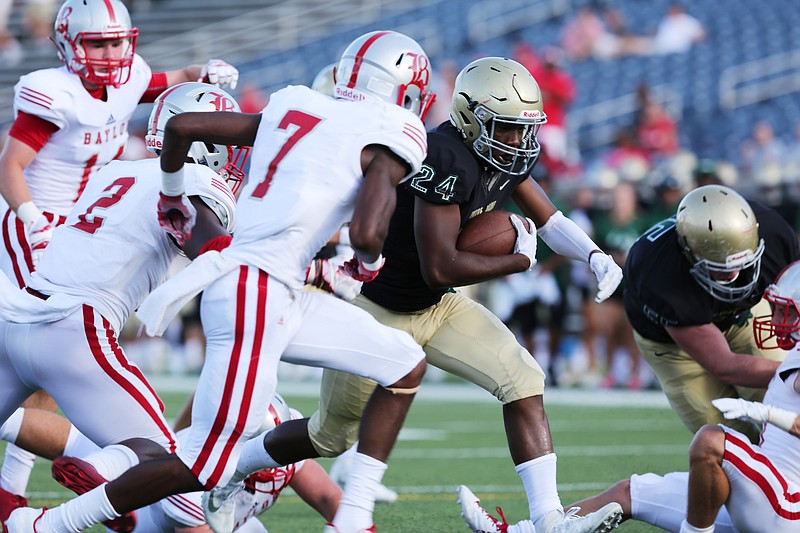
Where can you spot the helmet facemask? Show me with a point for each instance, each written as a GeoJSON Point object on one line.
{"type": "Point", "coordinates": [781, 328]}
{"type": "Point", "coordinates": [733, 280]}
{"type": "Point", "coordinates": [81, 23]}
{"type": "Point", "coordinates": [515, 160]}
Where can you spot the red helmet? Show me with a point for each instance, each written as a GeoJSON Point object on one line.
{"type": "Point", "coordinates": [781, 328]}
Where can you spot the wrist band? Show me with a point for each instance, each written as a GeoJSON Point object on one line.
{"type": "Point", "coordinates": [595, 251]}
{"type": "Point", "coordinates": [172, 183]}
{"type": "Point", "coordinates": [344, 236]}
{"type": "Point", "coordinates": [781, 418]}
{"type": "Point", "coordinates": [27, 212]}
{"type": "Point", "coordinates": [375, 265]}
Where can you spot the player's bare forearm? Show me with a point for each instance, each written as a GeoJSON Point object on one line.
{"type": "Point", "coordinates": [226, 128]}
{"type": "Point", "coordinates": [708, 346]}
{"type": "Point", "coordinates": [533, 202]}
{"type": "Point", "coordinates": [16, 156]}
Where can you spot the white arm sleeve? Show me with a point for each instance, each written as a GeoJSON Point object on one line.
{"type": "Point", "coordinates": [565, 238]}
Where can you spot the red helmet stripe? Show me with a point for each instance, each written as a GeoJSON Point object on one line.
{"type": "Point", "coordinates": [111, 13]}
{"type": "Point", "coordinates": [160, 105]}
{"type": "Point", "coordinates": [360, 57]}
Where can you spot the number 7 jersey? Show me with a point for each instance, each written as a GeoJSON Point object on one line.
{"type": "Point", "coordinates": [306, 173]}
{"type": "Point", "coordinates": [111, 252]}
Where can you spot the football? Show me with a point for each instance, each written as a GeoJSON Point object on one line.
{"type": "Point", "coordinates": [489, 233]}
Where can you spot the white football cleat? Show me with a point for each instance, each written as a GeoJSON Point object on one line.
{"type": "Point", "coordinates": [219, 505]}
{"type": "Point", "coordinates": [477, 518]}
{"type": "Point", "coordinates": [605, 519]}
{"type": "Point", "coordinates": [23, 520]}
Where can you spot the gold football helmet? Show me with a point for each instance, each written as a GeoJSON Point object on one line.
{"type": "Point", "coordinates": [718, 232]}
{"type": "Point", "coordinates": [323, 81]}
{"type": "Point", "coordinates": [781, 328]}
{"type": "Point", "coordinates": [492, 94]}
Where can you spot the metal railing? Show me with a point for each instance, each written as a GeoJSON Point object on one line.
{"type": "Point", "coordinates": [491, 18]}
{"type": "Point", "coordinates": [593, 125]}
{"type": "Point", "coordinates": [759, 80]}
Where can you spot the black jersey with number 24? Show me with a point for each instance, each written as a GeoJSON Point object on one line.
{"type": "Point", "coordinates": [451, 174]}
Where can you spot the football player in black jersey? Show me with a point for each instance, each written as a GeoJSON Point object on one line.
{"type": "Point", "coordinates": [692, 285]}
{"type": "Point", "coordinates": [475, 162]}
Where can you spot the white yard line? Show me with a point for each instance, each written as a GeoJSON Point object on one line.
{"type": "Point", "coordinates": [456, 392]}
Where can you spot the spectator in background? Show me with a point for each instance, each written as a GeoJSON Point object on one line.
{"type": "Point", "coordinates": [761, 150]}
{"type": "Point", "coordinates": [251, 98]}
{"type": "Point", "coordinates": [677, 32]}
{"type": "Point", "coordinates": [616, 231]}
{"type": "Point", "coordinates": [668, 194]}
{"type": "Point", "coordinates": [656, 131]}
{"type": "Point", "coordinates": [10, 49]}
{"type": "Point", "coordinates": [39, 17]}
{"type": "Point", "coordinates": [558, 92]}
{"type": "Point", "coordinates": [581, 33]}
{"type": "Point", "coordinates": [442, 81]}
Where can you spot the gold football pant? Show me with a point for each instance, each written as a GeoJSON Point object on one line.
{"type": "Point", "coordinates": [690, 388]}
{"type": "Point", "coordinates": [459, 336]}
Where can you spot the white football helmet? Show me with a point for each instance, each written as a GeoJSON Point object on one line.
{"type": "Point", "coordinates": [492, 93]}
{"type": "Point", "coordinates": [278, 413]}
{"type": "Point", "coordinates": [718, 233]}
{"type": "Point", "coordinates": [781, 328]}
{"type": "Point", "coordinates": [81, 21]}
{"type": "Point", "coordinates": [272, 480]}
{"type": "Point", "coordinates": [323, 82]}
{"type": "Point", "coordinates": [227, 161]}
{"type": "Point", "coordinates": [388, 66]}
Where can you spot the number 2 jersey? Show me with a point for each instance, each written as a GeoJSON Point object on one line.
{"type": "Point", "coordinates": [111, 252]}
{"type": "Point", "coordinates": [451, 174]}
{"type": "Point", "coordinates": [306, 173]}
{"type": "Point", "coordinates": [660, 290]}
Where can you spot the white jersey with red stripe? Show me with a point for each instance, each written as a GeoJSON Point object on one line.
{"type": "Point", "coordinates": [306, 172]}
{"type": "Point", "coordinates": [781, 447]}
{"type": "Point", "coordinates": [91, 132]}
{"type": "Point", "coordinates": [111, 252]}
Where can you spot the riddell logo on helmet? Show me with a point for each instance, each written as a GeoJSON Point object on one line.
{"type": "Point", "coordinates": [153, 143]}
{"type": "Point", "coordinates": [349, 94]}
{"type": "Point", "coordinates": [530, 114]}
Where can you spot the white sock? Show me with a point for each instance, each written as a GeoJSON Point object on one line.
{"type": "Point", "coordinates": [79, 513]}
{"type": "Point", "coordinates": [539, 479]}
{"type": "Point", "coordinates": [686, 527]}
{"type": "Point", "coordinates": [254, 457]}
{"type": "Point", "coordinates": [111, 461]}
{"type": "Point", "coordinates": [9, 431]}
{"type": "Point", "coordinates": [16, 472]}
{"type": "Point", "coordinates": [78, 444]}
{"type": "Point", "coordinates": [358, 501]}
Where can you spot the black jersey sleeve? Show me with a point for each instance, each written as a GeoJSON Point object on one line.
{"type": "Point", "coordinates": [446, 177]}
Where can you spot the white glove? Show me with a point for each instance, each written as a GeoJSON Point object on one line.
{"type": "Point", "coordinates": [39, 231]}
{"type": "Point", "coordinates": [526, 239]}
{"type": "Point", "coordinates": [220, 73]}
{"type": "Point", "coordinates": [608, 274]}
{"type": "Point", "coordinates": [325, 274]}
{"type": "Point", "coordinates": [757, 412]}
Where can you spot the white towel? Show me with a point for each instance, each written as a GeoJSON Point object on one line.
{"type": "Point", "coordinates": [18, 305]}
{"type": "Point", "coordinates": [161, 306]}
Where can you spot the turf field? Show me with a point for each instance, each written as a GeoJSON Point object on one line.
{"type": "Point", "coordinates": [454, 434]}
